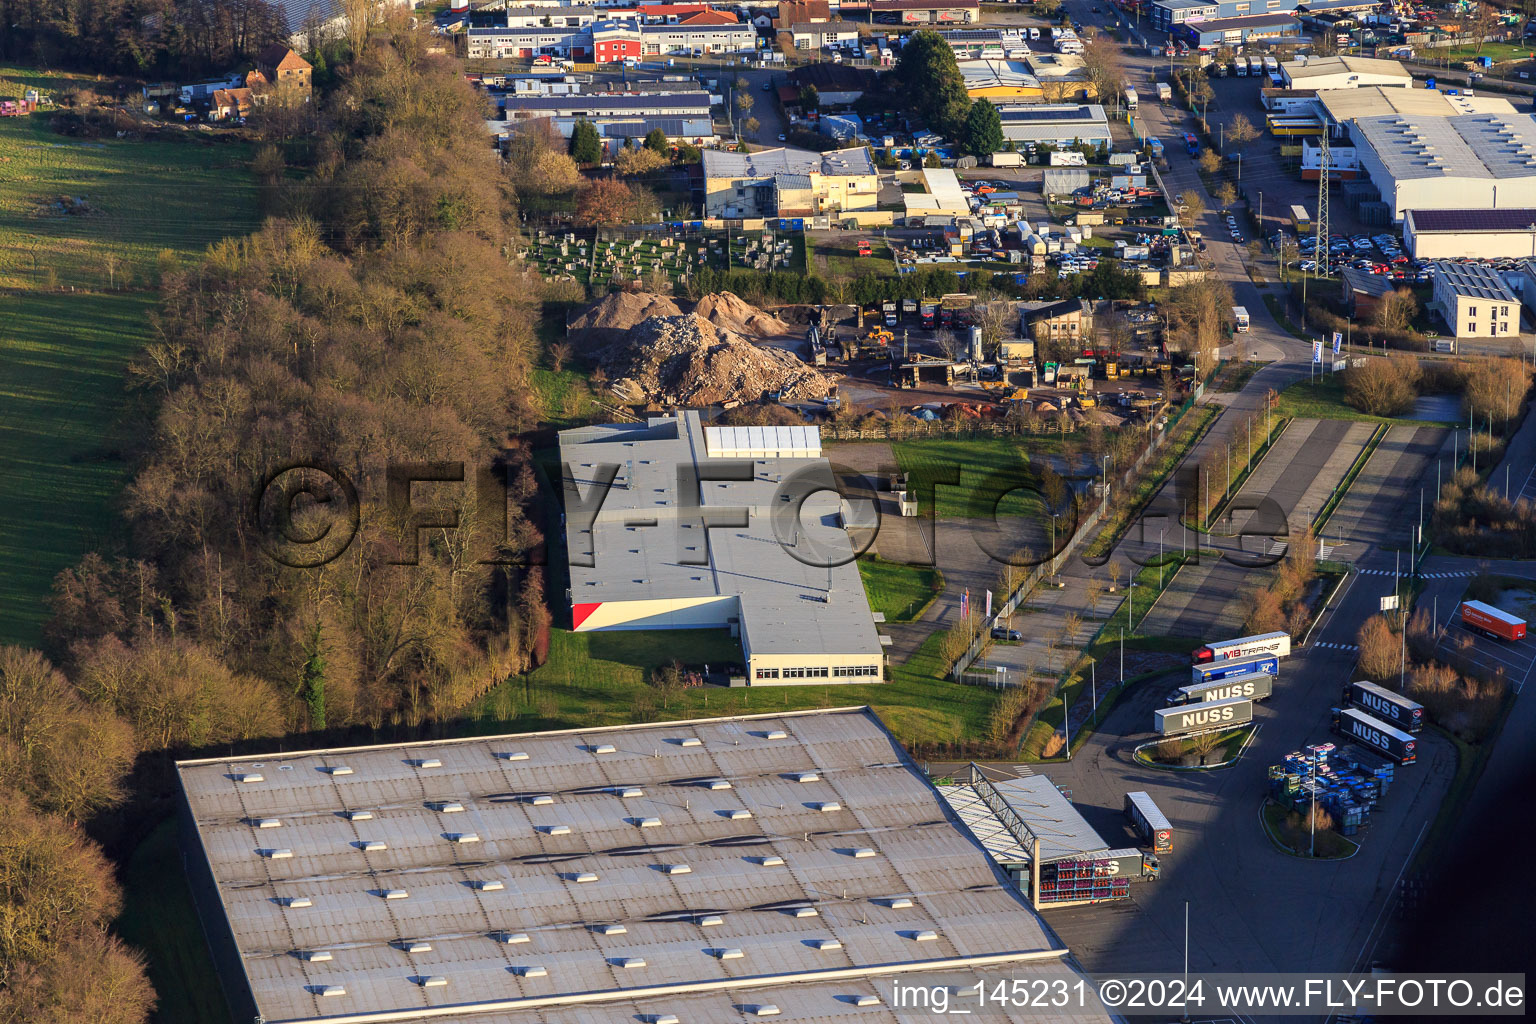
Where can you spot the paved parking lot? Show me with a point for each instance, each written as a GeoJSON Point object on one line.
{"type": "Point", "coordinates": [1516, 660]}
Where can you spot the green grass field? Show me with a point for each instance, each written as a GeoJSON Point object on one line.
{"type": "Point", "coordinates": [977, 459]}
{"type": "Point", "coordinates": [900, 592]}
{"type": "Point", "coordinates": [142, 203]}
{"type": "Point", "coordinates": [1324, 400]}
{"type": "Point", "coordinates": [597, 678]}
{"type": "Point", "coordinates": [843, 262]}
{"type": "Point", "coordinates": [65, 340]}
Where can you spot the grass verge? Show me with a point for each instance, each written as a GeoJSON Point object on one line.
{"type": "Point", "coordinates": [1337, 497]}
{"type": "Point", "coordinates": [1292, 839]}
{"type": "Point", "coordinates": [600, 678]}
{"type": "Point", "coordinates": [900, 592]}
{"type": "Point", "coordinates": [1323, 399]}
{"type": "Point", "coordinates": [980, 461]}
{"type": "Point", "coordinates": [160, 919]}
{"type": "Point", "coordinates": [1190, 429]}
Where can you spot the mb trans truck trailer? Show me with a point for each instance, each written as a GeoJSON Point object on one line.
{"type": "Point", "coordinates": [1248, 686]}
{"type": "Point", "coordinates": [1375, 734]}
{"type": "Point", "coordinates": [1390, 707]}
{"type": "Point", "coordinates": [1211, 671]}
{"type": "Point", "coordinates": [1278, 644]}
{"type": "Point", "coordinates": [1149, 822]}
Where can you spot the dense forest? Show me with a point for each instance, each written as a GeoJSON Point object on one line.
{"type": "Point", "coordinates": [138, 37]}
{"type": "Point", "coordinates": [374, 321]}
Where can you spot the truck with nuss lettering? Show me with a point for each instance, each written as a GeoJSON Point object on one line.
{"type": "Point", "coordinates": [1249, 685]}
{"type": "Point", "coordinates": [1376, 734]}
{"type": "Point", "coordinates": [1211, 671]}
{"type": "Point", "coordinates": [1390, 707]}
{"type": "Point", "coordinates": [1202, 717]}
{"type": "Point", "coordinates": [1150, 823]}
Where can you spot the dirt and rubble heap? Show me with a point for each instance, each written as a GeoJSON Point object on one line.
{"type": "Point", "coordinates": [619, 312]}
{"type": "Point", "coordinates": [687, 361]}
{"type": "Point", "coordinates": [728, 312]}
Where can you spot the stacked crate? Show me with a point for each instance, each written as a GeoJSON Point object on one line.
{"type": "Point", "coordinates": [1070, 881]}
{"type": "Point", "coordinates": [1348, 783]}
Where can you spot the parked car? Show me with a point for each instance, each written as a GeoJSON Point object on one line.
{"type": "Point", "coordinates": [999, 633]}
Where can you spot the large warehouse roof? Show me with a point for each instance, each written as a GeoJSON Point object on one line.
{"type": "Point", "coordinates": [1301, 72]}
{"type": "Point", "coordinates": [568, 876]}
{"type": "Point", "coordinates": [1375, 101]}
{"type": "Point", "coordinates": [1466, 146]}
{"type": "Point", "coordinates": [790, 565]}
{"type": "Point", "coordinates": [1472, 220]}
{"type": "Point", "coordinates": [765, 163]}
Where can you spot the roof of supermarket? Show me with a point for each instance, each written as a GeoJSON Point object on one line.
{"type": "Point", "coordinates": [870, 859]}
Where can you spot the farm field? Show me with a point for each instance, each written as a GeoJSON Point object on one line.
{"type": "Point", "coordinates": [138, 208]}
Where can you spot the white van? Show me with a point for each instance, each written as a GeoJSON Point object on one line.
{"type": "Point", "coordinates": [1034, 33]}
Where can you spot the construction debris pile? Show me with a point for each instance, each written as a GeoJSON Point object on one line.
{"type": "Point", "coordinates": [654, 353]}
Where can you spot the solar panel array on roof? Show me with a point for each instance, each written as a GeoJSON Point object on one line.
{"type": "Point", "coordinates": [860, 868]}
{"type": "Point", "coordinates": [1473, 220]}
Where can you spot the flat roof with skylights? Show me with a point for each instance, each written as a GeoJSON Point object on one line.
{"type": "Point", "coordinates": [699, 871]}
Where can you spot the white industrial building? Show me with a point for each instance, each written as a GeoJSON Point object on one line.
{"type": "Point", "coordinates": [791, 866]}
{"type": "Point", "coordinates": [1478, 234]}
{"type": "Point", "coordinates": [762, 551]}
{"type": "Point", "coordinates": [1471, 161]}
{"type": "Point", "coordinates": [1474, 301]}
{"type": "Point", "coordinates": [1060, 125]}
{"type": "Point", "coordinates": [1344, 73]}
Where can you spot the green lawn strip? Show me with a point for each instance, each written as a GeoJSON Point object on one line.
{"type": "Point", "coordinates": [1337, 497]}
{"type": "Point", "coordinates": [977, 459]}
{"type": "Point", "coordinates": [1236, 486]}
{"type": "Point", "coordinates": [160, 919]}
{"type": "Point", "coordinates": [1297, 843]}
{"type": "Point", "coordinates": [594, 679]}
{"type": "Point", "coordinates": [902, 593]}
{"type": "Point", "coordinates": [62, 360]}
{"type": "Point", "coordinates": [1323, 399]}
{"type": "Point", "coordinates": [1123, 512]}
{"type": "Point", "coordinates": [125, 202]}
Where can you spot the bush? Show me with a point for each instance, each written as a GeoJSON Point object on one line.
{"type": "Point", "coordinates": [1380, 649]}
{"type": "Point", "coordinates": [1382, 387]}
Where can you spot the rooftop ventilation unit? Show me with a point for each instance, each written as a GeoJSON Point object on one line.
{"type": "Point", "coordinates": [358, 815]}
{"type": "Point", "coordinates": [923, 935]}
{"type": "Point", "coordinates": [332, 990]}
{"type": "Point", "coordinates": [610, 929]}
{"type": "Point", "coordinates": [627, 962]}
{"type": "Point", "coordinates": [553, 830]}
{"type": "Point", "coordinates": [803, 912]}
{"type": "Point", "coordinates": [392, 894]}
{"type": "Point", "coordinates": [371, 845]}
{"type": "Point", "coordinates": [763, 1010]}
{"type": "Point", "coordinates": [542, 800]}
{"type": "Point", "coordinates": [337, 769]}
{"type": "Point", "coordinates": [645, 822]}
{"type": "Point", "coordinates": [770, 861]}
{"type": "Point", "coordinates": [825, 806]}
{"type": "Point", "coordinates": [601, 748]}
{"type": "Point", "coordinates": [276, 854]}
{"type": "Point", "coordinates": [530, 972]}
{"type": "Point", "coordinates": [726, 954]}
{"type": "Point", "coordinates": [711, 920]}
{"type": "Point", "coordinates": [432, 981]}
{"type": "Point", "coordinates": [676, 869]}
{"type": "Point", "coordinates": [776, 734]}
{"type": "Point", "coordinates": [582, 876]}
{"type": "Point", "coordinates": [446, 806]}
{"type": "Point", "coordinates": [295, 901]}
{"type": "Point", "coordinates": [427, 762]}
{"type": "Point", "coordinates": [825, 944]}
{"type": "Point", "coordinates": [267, 822]}
{"type": "Point", "coordinates": [489, 885]}
{"type": "Point", "coordinates": [862, 852]}
{"type": "Point", "coordinates": [627, 792]}
{"type": "Point", "coordinates": [249, 777]}
{"type": "Point", "coordinates": [510, 938]}
{"type": "Point", "coordinates": [866, 1000]}
{"type": "Point", "coordinates": [690, 741]}
{"type": "Point", "coordinates": [512, 755]}
{"type": "Point", "coordinates": [802, 776]}
{"type": "Point", "coordinates": [315, 956]}
{"type": "Point", "coordinates": [414, 946]}
{"type": "Point", "coordinates": [659, 1018]}
{"type": "Point", "coordinates": [463, 837]}
{"type": "Point", "coordinates": [718, 784]}
{"type": "Point", "coordinates": [896, 902]}
{"type": "Point", "coordinates": [737, 814]}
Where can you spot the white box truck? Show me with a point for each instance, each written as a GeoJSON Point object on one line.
{"type": "Point", "coordinates": [1164, 92]}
